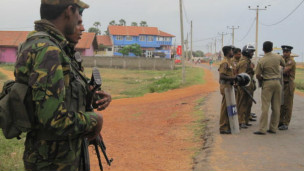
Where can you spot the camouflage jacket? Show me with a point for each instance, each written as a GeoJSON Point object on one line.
{"type": "Point", "coordinates": [47, 69]}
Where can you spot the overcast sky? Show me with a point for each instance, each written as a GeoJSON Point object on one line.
{"type": "Point", "coordinates": [209, 17]}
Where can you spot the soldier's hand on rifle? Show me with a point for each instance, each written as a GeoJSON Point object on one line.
{"type": "Point", "coordinates": [96, 130]}
{"type": "Point", "coordinates": [103, 101]}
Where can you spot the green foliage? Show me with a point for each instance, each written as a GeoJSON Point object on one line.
{"type": "Point", "coordinates": [122, 22]}
{"type": "Point", "coordinates": [198, 53]}
{"type": "Point", "coordinates": [94, 30]}
{"type": "Point", "coordinates": [134, 24]}
{"type": "Point", "coordinates": [299, 81]}
{"type": "Point", "coordinates": [101, 47]}
{"type": "Point", "coordinates": [134, 48]}
{"type": "Point", "coordinates": [112, 23]}
{"type": "Point", "coordinates": [143, 24]}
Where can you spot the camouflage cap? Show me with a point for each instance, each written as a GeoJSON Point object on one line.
{"type": "Point", "coordinates": [65, 2]}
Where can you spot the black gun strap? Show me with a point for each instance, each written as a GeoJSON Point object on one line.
{"type": "Point", "coordinates": [85, 156]}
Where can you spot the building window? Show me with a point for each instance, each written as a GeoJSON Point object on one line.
{"type": "Point", "coordinates": [160, 38]}
{"type": "Point", "coordinates": [117, 48]}
{"type": "Point", "coordinates": [150, 38]}
{"type": "Point", "coordinates": [119, 37]}
{"type": "Point", "coordinates": [129, 38]}
{"type": "Point", "coordinates": [167, 39]}
{"type": "Point", "coordinates": [109, 49]}
{"type": "Point", "coordinates": [142, 38]}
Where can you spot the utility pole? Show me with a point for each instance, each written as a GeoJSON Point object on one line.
{"type": "Point", "coordinates": [215, 45]}
{"type": "Point", "coordinates": [182, 40]}
{"type": "Point", "coordinates": [186, 44]}
{"type": "Point", "coordinates": [222, 34]}
{"type": "Point", "coordinates": [233, 28]}
{"type": "Point", "coordinates": [257, 28]}
{"type": "Point", "coordinates": [191, 40]}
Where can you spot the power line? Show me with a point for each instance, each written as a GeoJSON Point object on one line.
{"type": "Point", "coordinates": [284, 17]}
{"type": "Point", "coordinates": [201, 40]}
{"type": "Point", "coordinates": [250, 28]}
{"type": "Point", "coordinates": [185, 13]}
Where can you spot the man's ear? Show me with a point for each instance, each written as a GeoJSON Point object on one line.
{"type": "Point", "coordinates": [68, 12]}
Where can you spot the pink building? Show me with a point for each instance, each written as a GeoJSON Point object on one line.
{"type": "Point", "coordinates": [10, 40]}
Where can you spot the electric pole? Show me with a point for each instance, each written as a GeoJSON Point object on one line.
{"type": "Point", "coordinates": [191, 40]}
{"type": "Point", "coordinates": [257, 28]}
{"type": "Point", "coordinates": [186, 44]}
{"type": "Point", "coordinates": [222, 34]}
{"type": "Point", "coordinates": [215, 45]}
{"type": "Point", "coordinates": [182, 41]}
{"type": "Point", "coordinates": [233, 28]}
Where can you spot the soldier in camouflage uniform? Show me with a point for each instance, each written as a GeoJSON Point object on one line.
{"type": "Point", "coordinates": [227, 78]}
{"type": "Point", "coordinates": [289, 88]}
{"type": "Point", "coordinates": [58, 90]}
{"type": "Point", "coordinates": [244, 102]}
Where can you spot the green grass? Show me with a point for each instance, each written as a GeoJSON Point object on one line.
{"type": "Point", "coordinates": [133, 83]}
{"type": "Point", "coordinates": [9, 67]}
{"type": "Point", "coordinates": [299, 80]}
{"type": "Point", "coordinates": [11, 152]}
{"type": "Point", "coordinates": [198, 126]}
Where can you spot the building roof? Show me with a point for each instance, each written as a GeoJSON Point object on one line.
{"type": "Point", "coordinates": [164, 34]}
{"type": "Point", "coordinates": [87, 40]}
{"type": "Point", "coordinates": [12, 38]}
{"type": "Point", "coordinates": [136, 31]}
{"type": "Point", "coordinates": [105, 40]}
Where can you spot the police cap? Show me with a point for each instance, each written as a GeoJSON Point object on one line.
{"type": "Point", "coordinates": [65, 2]}
{"type": "Point", "coordinates": [286, 48]}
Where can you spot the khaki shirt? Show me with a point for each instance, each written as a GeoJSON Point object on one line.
{"type": "Point", "coordinates": [291, 65]}
{"type": "Point", "coordinates": [234, 63]}
{"type": "Point", "coordinates": [269, 66]}
{"type": "Point", "coordinates": [245, 66]}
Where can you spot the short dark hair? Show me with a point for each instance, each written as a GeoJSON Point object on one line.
{"type": "Point", "coordinates": [267, 46]}
{"type": "Point", "coordinates": [52, 12]}
{"type": "Point", "coordinates": [237, 50]}
{"type": "Point", "coordinates": [226, 50]}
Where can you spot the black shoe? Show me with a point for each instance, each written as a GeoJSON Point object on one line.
{"type": "Point", "coordinates": [243, 126]}
{"type": "Point", "coordinates": [253, 115]}
{"type": "Point", "coordinates": [283, 127]}
{"type": "Point", "coordinates": [259, 133]}
{"type": "Point", "coordinates": [271, 132]}
{"type": "Point", "coordinates": [280, 124]}
{"type": "Point", "coordinates": [225, 132]}
{"type": "Point", "coordinates": [252, 119]}
{"type": "Point", "coordinates": [248, 124]}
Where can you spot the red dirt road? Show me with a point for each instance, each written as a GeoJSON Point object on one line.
{"type": "Point", "coordinates": [151, 133]}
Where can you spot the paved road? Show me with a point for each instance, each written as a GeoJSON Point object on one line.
{"type": "Point", "coordinates": [246, 151]}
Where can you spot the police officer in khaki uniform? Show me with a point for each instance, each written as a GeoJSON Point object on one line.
{"type": "Point", "coordinates": [244, 102]}
{"type": "Point", "coordinates": [237, 54]}
{"type": "Point", "coordinates": [289, 88]}
{"type": "Point", "coordinates": [227, 78]}
{"type": "Point", "coordinates": [268, 71]}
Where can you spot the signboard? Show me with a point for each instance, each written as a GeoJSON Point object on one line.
{"type": "Point", "coordinates": [179, 50]}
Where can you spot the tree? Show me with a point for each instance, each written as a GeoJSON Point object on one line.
{"type": "Point", "coordinates": [198, 53]}
{"type": "Point", "coordinates": [134, 48]}
{"type": "Point", "coordinates": [134, 24]}
{"type": "Point", "coordinates": [122, 22]}
{"type": "Point", "coordinates": [95, 29]}
{"type": "Point", "coordinates": [112, 23]}
{"type": "Point", "coordinates": [143, 24]}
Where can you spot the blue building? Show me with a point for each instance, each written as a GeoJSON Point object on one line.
{"type": "Point", "coordinates": [152, 41]}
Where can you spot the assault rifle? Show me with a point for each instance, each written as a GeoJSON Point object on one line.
{"type": "Point", "coordinates": [98, 142]}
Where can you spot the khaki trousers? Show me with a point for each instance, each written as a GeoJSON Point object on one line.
{"type": "Point", "coordinates": [244, 104]}
{"type": "Point", "coordinates": [271, 95]}
{"type": "Point", "coordinates": [224, 120]}
{"type": "Point", "coordinates": [286, 108]}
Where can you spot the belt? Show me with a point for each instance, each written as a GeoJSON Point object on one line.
{"type": "Point", "coordinates": [271, 79]}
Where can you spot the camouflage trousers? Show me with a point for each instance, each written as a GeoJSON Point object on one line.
{"type": "Point", "coordinates": [59, 155]}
